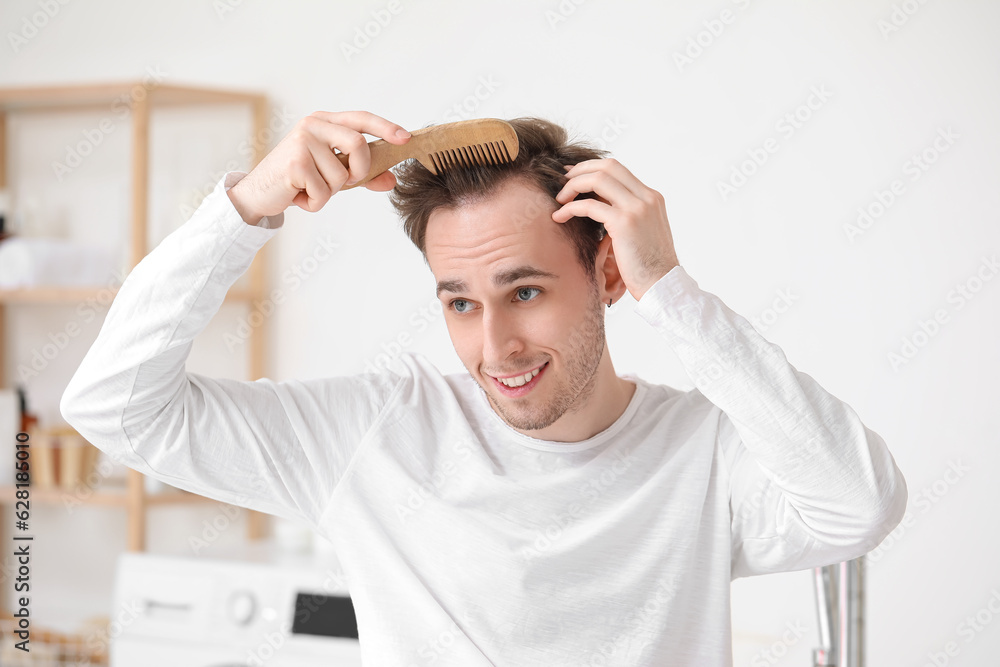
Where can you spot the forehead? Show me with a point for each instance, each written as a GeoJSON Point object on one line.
{"type": "Point", "coordinates": [511, 229]}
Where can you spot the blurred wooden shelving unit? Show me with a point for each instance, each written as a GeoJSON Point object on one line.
{"type": "Point", "coordinates": [74, 98]}
{"type": "Point", "coordinates": [110, 495]}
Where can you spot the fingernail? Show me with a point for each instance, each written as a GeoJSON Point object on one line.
{"type": "Point", "coordinates": [402, 134]}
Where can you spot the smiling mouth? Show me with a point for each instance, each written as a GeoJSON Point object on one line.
{"type": "Point", "coordinates": [518, 385]}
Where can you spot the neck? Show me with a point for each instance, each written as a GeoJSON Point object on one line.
{"type": "Point", "coordinates": [601, 403]}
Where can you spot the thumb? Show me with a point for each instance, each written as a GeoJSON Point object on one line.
{"type": "Point", "coordinates": [383, 182]}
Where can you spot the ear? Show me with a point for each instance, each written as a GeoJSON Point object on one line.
{"type": "Point", "coordinates": [612, 286]}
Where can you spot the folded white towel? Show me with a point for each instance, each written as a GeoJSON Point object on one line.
{"type": "Point", "coordinates": [10, 424]}
{"type": "Point", "coordinates": [44, 262]}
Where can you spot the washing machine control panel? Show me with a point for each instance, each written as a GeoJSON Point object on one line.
{"type": "Point", "coordinates": [242, 607]}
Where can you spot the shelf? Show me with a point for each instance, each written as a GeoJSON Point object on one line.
{"type": "Point", "coordinates": [60, 295]}
{"type": "Point", "coordinates": [37, 98]}
{"type": "Point", "coordinates": [111, 495]}
{"type": "Point", "coordinates": [140, 97]}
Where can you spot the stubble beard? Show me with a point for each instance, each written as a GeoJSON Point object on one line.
{"type": "Point", "coordinates": [570, 393]}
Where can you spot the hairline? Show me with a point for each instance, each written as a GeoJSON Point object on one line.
{"type": "Point", "coordinates": [508, 276]}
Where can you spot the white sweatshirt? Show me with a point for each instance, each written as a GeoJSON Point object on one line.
{"type": "Point", "coordinates": [465, 542]}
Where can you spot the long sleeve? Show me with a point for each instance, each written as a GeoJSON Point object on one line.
{"type": "Point", "coordinates": [276, 447]}
{"type": "Point", "coordinates": [809, 483]}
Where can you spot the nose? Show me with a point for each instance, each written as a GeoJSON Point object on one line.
{"type": "Point", "coordinates": [502, 338]}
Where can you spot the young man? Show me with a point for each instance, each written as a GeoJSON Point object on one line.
{"type": "Point", "coordinates": [569, 517]}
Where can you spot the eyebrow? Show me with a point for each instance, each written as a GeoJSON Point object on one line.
{"type": "Point", "coordinates": [500, 279]}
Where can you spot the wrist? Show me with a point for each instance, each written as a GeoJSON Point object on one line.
{"type": "Point", "coordinates": [249, 216]}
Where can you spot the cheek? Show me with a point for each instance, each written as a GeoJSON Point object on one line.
{"type": "Point", "coordinates": [548, 331]}
{"type": "Point", "coordinates": [467, 341]}
{"type": "Point", "coordinates": [564, 323]}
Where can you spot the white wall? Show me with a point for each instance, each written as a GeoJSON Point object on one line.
{"type": "Point", "coordinates": [609, 71]}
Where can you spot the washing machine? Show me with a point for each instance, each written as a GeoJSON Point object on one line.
{"type": "Point", "coordinates": [252, 607]}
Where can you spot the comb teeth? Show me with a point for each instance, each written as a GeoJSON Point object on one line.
{"type": "Point", "coordinates": [493, 152]}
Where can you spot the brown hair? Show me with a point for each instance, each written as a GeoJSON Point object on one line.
{"type": "Point", "coordinates": [543, 149]}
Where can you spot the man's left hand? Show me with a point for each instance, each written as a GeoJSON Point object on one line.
{"type": "Point", "coordinates": [634, 216]}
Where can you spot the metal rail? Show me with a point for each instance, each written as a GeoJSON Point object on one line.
{"type": "Point", "coordinates": [840, 606]}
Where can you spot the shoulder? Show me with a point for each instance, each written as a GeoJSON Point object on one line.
{"type": "Point", "coordinates": [687, 410]}
{"type": "Point", "coordinates": [415, 376]}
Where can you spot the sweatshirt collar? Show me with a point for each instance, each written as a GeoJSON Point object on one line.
{"type": "Point", "coordinates": [556, 446]}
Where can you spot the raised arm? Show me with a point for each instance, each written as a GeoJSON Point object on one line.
{"type": "Point", "coordinates": [809, 484]}
{"type": "Point", "coordinates": [277, 447]}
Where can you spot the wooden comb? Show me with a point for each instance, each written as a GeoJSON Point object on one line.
{"type": "Point", "coordinates": [463, 143]}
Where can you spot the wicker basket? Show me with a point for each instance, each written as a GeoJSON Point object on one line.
{"type": "Point", "coordinates": [54, 649]}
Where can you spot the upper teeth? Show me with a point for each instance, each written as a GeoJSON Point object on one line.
{"type": "Point", "coordinates": [519, 380]}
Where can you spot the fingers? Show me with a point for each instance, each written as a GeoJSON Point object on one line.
{"type": "Point", "coordinates": [329, 166]}
{"type": "Point", "coordinates": [586, 208]}
{"type": "Point", "coordinates": [364, 121]}
{"type": "Point", "coordinates": [351, 143]}
{"type": "Point", "coordinates": [319, 172]}
{"type": "Point", "coordinates": [316, 190]}
{"type": "Point", "coordinates": [342, 130]}
{"type": "Point", "coordinates": [383, 182]}
{"type": "Point", "coordinates": [599, 182]}
{"type": "Point", "coordinates": [613, 167]}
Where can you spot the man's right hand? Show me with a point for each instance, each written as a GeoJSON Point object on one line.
{"type": "Point", "coordinates": [303, 169]}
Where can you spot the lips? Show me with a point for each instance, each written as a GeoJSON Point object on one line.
{"type": "Point", "coordinates": [514, 392]}
{"type": "Point", "coordinates": [514, 375]}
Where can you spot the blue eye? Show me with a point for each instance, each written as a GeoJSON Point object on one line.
{"type": "Point", "coordinates": [452, 303]}
{"type": "Point", "coordinates": [521, 289]}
